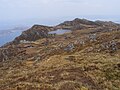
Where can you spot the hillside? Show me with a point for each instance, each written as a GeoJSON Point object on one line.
{"type": "Point", "coordinates": [87, 58]}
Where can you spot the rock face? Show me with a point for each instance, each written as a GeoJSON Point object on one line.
{"type": "Point", "coordinates": [34, 33]}
{"type": "Point", "coordinates": [78, 24]}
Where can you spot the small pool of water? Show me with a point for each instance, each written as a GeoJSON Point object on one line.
{"type": "Point", "coordinates": [59, 31]}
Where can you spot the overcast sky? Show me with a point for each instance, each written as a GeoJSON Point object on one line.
{"type": "Point", "coordinates": [45, 9]}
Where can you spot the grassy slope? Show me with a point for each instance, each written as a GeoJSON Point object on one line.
{"type": "Point", "coordinates": [79, 69]}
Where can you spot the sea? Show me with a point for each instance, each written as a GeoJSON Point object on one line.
{"type": "Point", "coordinates": [7, 36]}
{"type": "Point", "coordinates": [8, 31]}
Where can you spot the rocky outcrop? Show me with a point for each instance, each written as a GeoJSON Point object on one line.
{"type": "Point", "coordinates": [78, 24]}
{"type": "Point", "coordinates": [106, 23]}
{"type": "Point", "coordinates": [34, 33]}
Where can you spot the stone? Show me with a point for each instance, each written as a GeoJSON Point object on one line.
{"type": "Point", "coordinates": [69, 47]}
{"type": "Point", "coordinates": [92, 37]}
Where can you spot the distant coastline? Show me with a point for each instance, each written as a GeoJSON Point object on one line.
{"type": "Point", "coordinates": [9, 34]}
